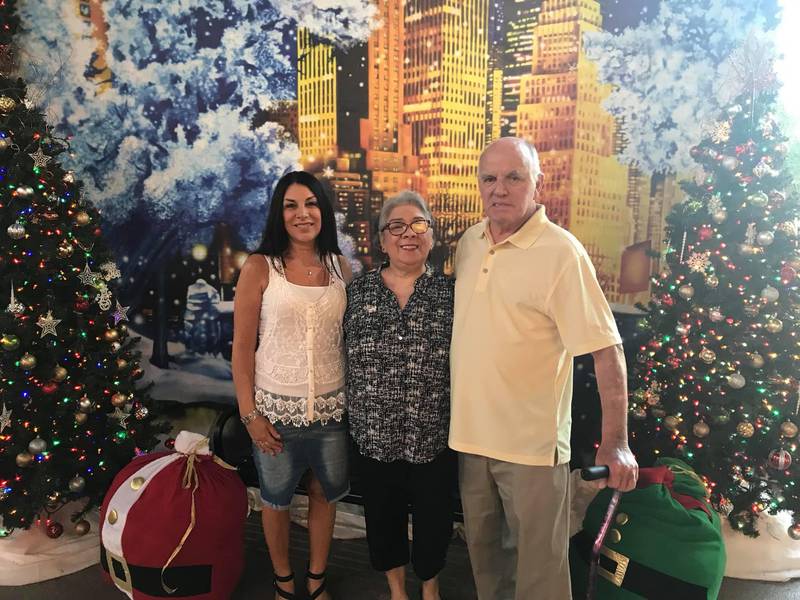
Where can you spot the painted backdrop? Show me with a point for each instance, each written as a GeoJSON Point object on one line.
{"type": "Point", "coordinates": [184, 114]}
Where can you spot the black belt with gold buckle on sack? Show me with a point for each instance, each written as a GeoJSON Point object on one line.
{"type": "Point", "coordinates": [635, 577]}
{"type": "Point", "coordinates": [190, 580]}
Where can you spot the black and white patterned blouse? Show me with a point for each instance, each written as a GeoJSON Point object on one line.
{"type": "Point", "coordinates": [398, 367]}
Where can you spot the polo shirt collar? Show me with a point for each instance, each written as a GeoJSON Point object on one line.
{"type": "Point", "coordinates": [526, 235]}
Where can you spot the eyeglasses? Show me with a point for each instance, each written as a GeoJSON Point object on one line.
{"type": "Point", "coordinates": [399, 228]}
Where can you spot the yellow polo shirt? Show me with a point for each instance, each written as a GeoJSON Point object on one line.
{"type": "Point", "coordinates": [523, 309]}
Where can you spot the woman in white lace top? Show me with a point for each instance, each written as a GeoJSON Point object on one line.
{"type": "Point", "coordinates": [288, 369]}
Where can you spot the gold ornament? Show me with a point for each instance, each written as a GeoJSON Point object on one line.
{"type": "Point", "coordinates": [794, 262]}
{"type": "Point", "coordinates": [774, 325]}
{"type": "Point", "coordinates": [736, 380]}
{"type": "Point", "coordinates": [614, 536]}
{"type": "Point", "coordinates": [788, 228]}
{"type": "Point", "coordinates": [686, 291]}
{"type": "Point", "coordinates": [756, 360]}
{"type": "Point", "coordinates": [81, 418]}
{"type": "Point", "coordinates": [622, 519]}
{"type": "Point", "coordinates": [111, 335]}
{"type": "Point", "coordinates": [758, 199]}
{"type": "Point", "coordinates": [7, 104]}
{"type": "Point", "coordinates": [794, 531]}
{"type": "Point", "coordinates": [9, 342]}
{"type": "Point", "coordinates": [59, 374]}
{"type": "Point", "coordinates": [112, 516]}
{"type": "Point", "coordinates": [708, 356]}
{"type": "Point", "coordinates": [788, 429]}
{"type": "Point", "coordinates": [82, 218]}
{"type": "Point", "coordinates": [76, 484]}
{"type": "Point", "coordinates": [27, 361]}
{"type": "Point", "coordinates": [701, 429]}
{"type": "Point", "coordinates": [745, 429]}
{"type": "Point", "coordinates": [24, 459]}
{"type": "Point", "coordinates": [672, 422]}
{"type": "Point", "coordinates": [82, 527]}
{"type": "Point", "coordinates": [712, 281]}
{"type": "Point", "coordinates": [121, 363]}
{"type": "Point", "coordinates": [137, 483]}
{"type": "Point", "coordinates": [119, 399]}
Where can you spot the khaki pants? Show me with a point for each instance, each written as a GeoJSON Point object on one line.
{"type": "Point", "coordinates": [517, 524]}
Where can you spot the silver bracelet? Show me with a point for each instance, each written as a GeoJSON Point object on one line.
{"type": "Point", "coordinates": [249, 417]}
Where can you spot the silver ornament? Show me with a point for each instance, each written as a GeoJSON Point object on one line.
{"type": "Point", "coordinates": [715, 314]}
{"type": "Point", "coordinates": [85, 405]}
{"type": "Point", "coordinates": [734, 109]}
{"type": "Point", "coordinates": [37, 445]}
{"type": "Point", "coordinates": [765, 238]}
{"type": "Point", "coordinates": [756, 360]}
{"type": "Point", "coordinates": [686, 291]}
{"type": "Point", "coordinates": [736, 380]}
{"type": "Point", "coordinates": [794, 531]}
{"type": "Point", "coordinates": [719, 216]}
{"type": "Point", "coordinates": [712, 281]}
{"type": "Point", "coordinates": [701, 429]}
{"type": "Point", "coordinates": [730, 163]}
{"type": "Point", "coordinates": [770, 294]}
{"type": "Point", "coordinates": [76, 484]}
{"type": "Point", "coordinates": [16, 231]}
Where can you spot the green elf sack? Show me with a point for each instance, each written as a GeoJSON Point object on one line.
{"type": "Point", "coordinates": [665, 541]}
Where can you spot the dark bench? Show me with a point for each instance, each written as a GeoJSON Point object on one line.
{"type": "Point", "coordinates": [231, 442]}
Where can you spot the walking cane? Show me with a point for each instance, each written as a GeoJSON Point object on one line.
{"type": "Point", "coordinates": [592, 474]}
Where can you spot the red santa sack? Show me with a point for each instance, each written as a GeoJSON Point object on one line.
{"type": "Point", "coordinates": [172, 525]}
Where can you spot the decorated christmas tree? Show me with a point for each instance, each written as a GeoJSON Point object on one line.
{"type": "Point", "coordinates": [717, 382]}
{"type": "Point", "coordinates": [72, 413]}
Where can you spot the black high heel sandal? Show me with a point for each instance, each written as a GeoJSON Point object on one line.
{"type": "Point", "coordinates": [317, 576]}
{"type": "Point", "coordinates": [276, 579]}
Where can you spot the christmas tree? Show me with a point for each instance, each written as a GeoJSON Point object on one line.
{"type": "Point", "coordinates": [72, 412]}
{"type": "Point", "coordinates": [717, 382]}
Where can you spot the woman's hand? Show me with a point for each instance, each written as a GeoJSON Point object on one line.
{"type": "Point", "coordinates": [265, 436]}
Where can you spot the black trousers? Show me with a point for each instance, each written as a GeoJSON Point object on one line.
{"type": "Point", "coordinates": [389, 490]}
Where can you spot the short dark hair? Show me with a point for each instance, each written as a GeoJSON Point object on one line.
{"type": "Point", "coordinates": [276, 238]}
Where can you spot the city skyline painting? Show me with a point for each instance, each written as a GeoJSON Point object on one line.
{"type": "Point", "coordinates": [182, 116]}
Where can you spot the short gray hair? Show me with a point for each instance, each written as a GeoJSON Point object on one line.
{"type": "Point", "coordinates": [403, 198]}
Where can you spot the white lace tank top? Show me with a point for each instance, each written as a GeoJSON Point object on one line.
{"type": "Point", "coordinates": [299, 364]}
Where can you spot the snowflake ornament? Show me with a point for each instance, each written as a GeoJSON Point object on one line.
{"type": "Point", "coordinates": [721, 132]}
{"type": "Point", "coordinates": [699, 262]}
{"type": "Point", "coordinates": [103, 298]}
{"type": "Point", "coordinates": [110, 271]}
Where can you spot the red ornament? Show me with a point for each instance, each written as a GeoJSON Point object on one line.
{"type": "Point", "coordinates": [705, 232]}
{"type": "Point", "coordinates": [788, 273]}
{"type": "Point", "coordinates": [780, 460]}
{"type": "Point", "coordinates": [50, 387]}
{"type": "Point", "coordinates": [54, 529]}
{"type": "Point", "coordinates": [81, 305]}
{"type": "Point", "coordinates": [170, 443]}
{"type": "Point", "coordinates": [97, 232]}
{"type": "Point", "coordinates": [668, 300]}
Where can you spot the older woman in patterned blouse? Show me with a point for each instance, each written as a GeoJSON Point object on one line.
{"type": "Point", "coordinates": [397, 336]}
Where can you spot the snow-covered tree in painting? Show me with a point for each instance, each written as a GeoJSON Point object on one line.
{"type": "Point", "coordinates": [166, 147]}
{"type": "Point", "coordinates": [671, 77]}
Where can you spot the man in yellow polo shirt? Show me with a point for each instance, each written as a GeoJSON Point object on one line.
{"type": "Point", "coordinates": [527, 302]}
